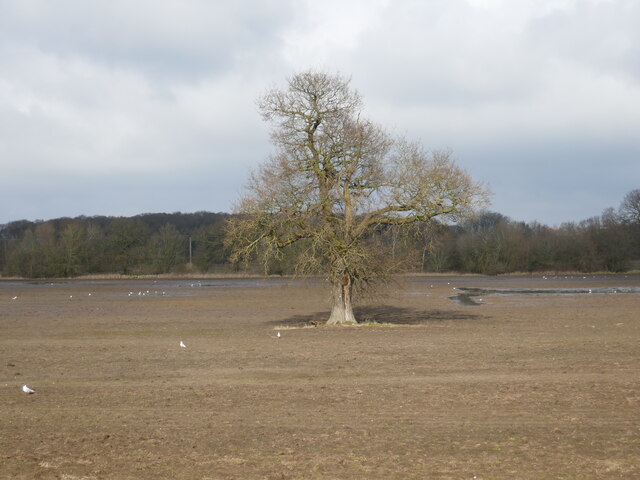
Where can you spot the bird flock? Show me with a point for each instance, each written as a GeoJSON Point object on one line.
{"type": "Point", "coordinates": [147, 293]}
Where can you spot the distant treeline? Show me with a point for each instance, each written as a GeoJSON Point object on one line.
{"type": "Point", "coordinates": [144, 244]}
{"type": "Point", "coordinates": [494, 244]}
{"type": "Point", "coordinates": [192, 243]}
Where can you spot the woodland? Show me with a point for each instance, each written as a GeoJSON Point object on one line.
{"type": "Point", "coordinates": [181, 243]}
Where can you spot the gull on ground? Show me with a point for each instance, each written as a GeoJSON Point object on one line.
{"type": "Point", "coordinates": [278, 335]}
{"type": "Point", "coordinates": [26, 389]}
{"type": "Point", "coordinates": [182, 344]}
{"type": "Point", "coordinates": [15, 298]}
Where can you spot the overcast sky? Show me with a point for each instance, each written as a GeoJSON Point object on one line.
{"type": "Point", "coordinates": [121, 107]}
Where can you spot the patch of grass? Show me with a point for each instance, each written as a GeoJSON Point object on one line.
{"type": "Point", "coordinates": [376, 324]}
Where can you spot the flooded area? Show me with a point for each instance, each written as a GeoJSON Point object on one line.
{"type": "Point", "coordinates": [466, 290]}
{"type": "Point", "coordinates": [146, 287]}
{"type": "Point", "coordinates": [474, 296]}
{"type": "Point", "coordinates": [476, 291]}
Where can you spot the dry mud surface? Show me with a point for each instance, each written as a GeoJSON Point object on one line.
{"type": "Point", "coordinates": [518, 387]}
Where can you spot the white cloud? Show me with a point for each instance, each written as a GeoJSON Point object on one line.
{"type": "Point", "coordinates": [70, 115]}
{"type": "Point", "coordinates": [455, 70]}
{"type": "Point", "coordinates": [322, 32]}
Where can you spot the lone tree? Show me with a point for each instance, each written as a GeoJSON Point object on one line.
{"type": "Point", "coordinates": [334, 180]}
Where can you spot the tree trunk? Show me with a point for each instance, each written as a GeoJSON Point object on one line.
{"type": "Point", "coordinates": [342, 313]}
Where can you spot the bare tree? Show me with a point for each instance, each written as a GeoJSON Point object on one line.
{"type": "Point", "coordinates": [167, 248]}
{"type": "Point", "coordinates": [630, 207]}
{"type": "Point", "coordinates": [334, 179]}
{"type": "Point", "coordinates": [70, 245]}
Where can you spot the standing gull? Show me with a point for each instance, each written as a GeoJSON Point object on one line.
{"type": "Point", "coordinates": [182, 344]}
{"type": "Point", "coordinates": [26, 389]}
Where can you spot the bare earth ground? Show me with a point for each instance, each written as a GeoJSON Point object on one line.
{"type": "Point", "coordinates": [520, 387]}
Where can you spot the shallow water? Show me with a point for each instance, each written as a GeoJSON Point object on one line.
{"type": "Point", "coordinates": [147, 287]}
{"type": "Point", "coordinates": [469, 290]}
{"type": "Point", "coordinates": [473, 295]}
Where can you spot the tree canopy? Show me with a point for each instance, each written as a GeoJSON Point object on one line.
{"type": "Point", "coordinates": [630, 207]}
{"type": "Point", "coordinates": [336, 178]}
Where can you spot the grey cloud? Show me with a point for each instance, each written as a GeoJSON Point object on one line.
{"type": "Point", "coordinates": [445, 54]}
{"type": "Point", "coordinates": [557, 180]}
{"type": "Point", "coordinates": [174, 39]}
{"type": "Point", "coordinates": [601, 36]}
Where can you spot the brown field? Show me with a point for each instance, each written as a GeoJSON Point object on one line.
{"type": "Point", "coordinates": [520, 387]}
